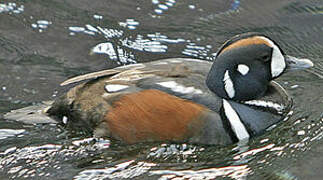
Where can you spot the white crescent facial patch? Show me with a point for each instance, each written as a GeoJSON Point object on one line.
{"type": "Point", "coordinates": [278, 63]}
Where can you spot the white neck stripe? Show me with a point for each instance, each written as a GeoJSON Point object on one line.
{"type": "Point", "coordinates": [228, 84]}
{"type": "Point", "coordinates": [237, 126]}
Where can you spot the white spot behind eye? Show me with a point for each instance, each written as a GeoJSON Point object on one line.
{"type": "Point", "coordinates": [237, 126]}
{"type": "Point", "coordinates": [243, 69]}
{"type": "Point", "coordinates": [278, 63]}
{"type": "Point", "coordinates": [228, 84]}
{"type": "Point", "coordinates": [115, 87]}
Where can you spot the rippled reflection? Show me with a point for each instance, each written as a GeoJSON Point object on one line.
{"type": "Point", "coordinates": [11, 7]}
{"type": "Point", "coordinates": [234, 172]}
{"type": "Point", "coordinates": [43, 160]}
{"type": "Point", "coordinates": [4, 133]}
{"type": "Point", "coordinates": [130, 24]}
{"type": "Point", "coordinates": [29, 161]}
{"type": "Point", "coordinates": [132, 32]}
{"type": "Point", "coordinates": [161, 7]}
{"type": "Point", "coordinates": [119, 171]}
{"type": "Point", "coordinates": [41, 25]}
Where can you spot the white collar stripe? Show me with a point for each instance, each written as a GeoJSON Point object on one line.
{"type": "Point", "coordinates": [237, 126]}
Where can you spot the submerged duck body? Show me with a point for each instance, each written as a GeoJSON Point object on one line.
{"type": "Point", "coordinates": [184, 100]}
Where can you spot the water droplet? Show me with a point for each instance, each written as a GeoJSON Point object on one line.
{"type": "Point", "coordinates": [163, 6]}
{"type": "Point", "coordinates": [155, 1]}
{"type": "Point", "coordinates": [294, 86]}
{"type": "Point", "coordinates": [191, 6]}
{"type": "Point", "coordinates": [301, 133]}
{"type": "Point", "coordinates": [98, 17]}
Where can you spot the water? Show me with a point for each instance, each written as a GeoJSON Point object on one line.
{"type": "Point", "coordinates": [42, 43]}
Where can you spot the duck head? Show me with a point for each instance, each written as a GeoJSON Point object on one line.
{"type": "Point", "coordinates": [246, 64]}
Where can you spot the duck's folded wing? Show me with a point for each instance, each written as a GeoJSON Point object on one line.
{"type": "Point", "coordinates": [90, 76]}
{"type": "Point", "coordinates": [172, 67]}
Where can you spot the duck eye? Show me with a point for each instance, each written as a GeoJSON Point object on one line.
{"type": "Point", "coordinates": [265, 58]}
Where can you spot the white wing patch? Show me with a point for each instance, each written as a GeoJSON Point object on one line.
{"type": "Point", "coordinates": [228, 84]}
{"type": "Point", "coordinates": [237, 126]}
{"type": "Point", "coordinates": [111, 88]}
{"type": "Point", "coordinates": [278, 63]}
{"type": "Point", "coordinates": [174, 86]}
{"type": "Point", "coordinates": [243, 69]}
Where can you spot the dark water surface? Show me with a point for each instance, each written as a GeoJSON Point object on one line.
{"type": "Point", "coordinates": [43, 42]}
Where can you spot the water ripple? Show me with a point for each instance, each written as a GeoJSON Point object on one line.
{"type": "Point", "coordinates": [5, 133]}
{"type": "Point", "coordinates": [234, 172]}
{"type": "Point", "coordinates": [11, 7]}
{"type": "Point", "coordinates": [125, 170]}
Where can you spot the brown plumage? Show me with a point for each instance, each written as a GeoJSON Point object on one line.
{"type": "Point", "coordinates": [152, 115]}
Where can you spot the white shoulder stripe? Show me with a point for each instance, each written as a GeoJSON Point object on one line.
{"type": "Point", "coordinates": [238, 128]}
{"type": "Point", "coordinates": [228, 84]}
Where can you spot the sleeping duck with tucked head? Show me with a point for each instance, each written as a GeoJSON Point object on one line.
{"type": "Point", "coordinates": [181, 99]}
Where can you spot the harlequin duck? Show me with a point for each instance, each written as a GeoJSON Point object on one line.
{"type": "Point", "coordinates": [182, 99]}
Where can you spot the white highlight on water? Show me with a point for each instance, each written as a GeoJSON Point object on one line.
{"type": "Point", "coordinates": [76, 29]}
{"type": "Point", "coordinates": [130, 24]}
{"type": "Point", "coordinates": [91, 28]}
{"type": "Point", "coordinates": [11, 7]}
{"type": "Point", "coordinates": [105, 48]}
{"type": "Point", "coordinates": [98, 17]}
{"type": "Point", "coordinates": [65, 119]}
{"type": "Point", "coordinates": [41, 25]}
